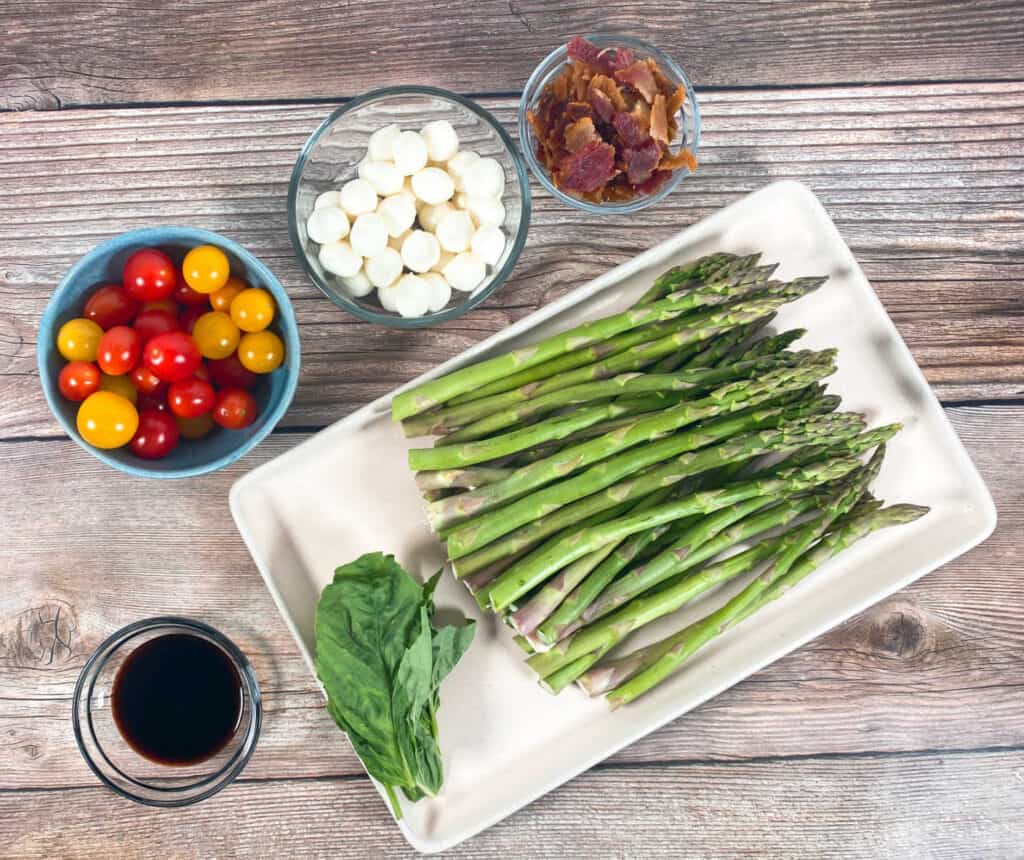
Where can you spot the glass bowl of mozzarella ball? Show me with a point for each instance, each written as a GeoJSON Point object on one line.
{"type": "Point", "coordinates": [409, 206]}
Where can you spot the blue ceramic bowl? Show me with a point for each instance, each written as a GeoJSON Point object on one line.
{"type": "Point", "coordinates": [103, 265]}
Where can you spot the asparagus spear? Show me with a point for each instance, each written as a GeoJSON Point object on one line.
{"type": "Point", "coordinates": [540, 564]}
{"type": "Point", "coordinates": [773, 344]}
{"type": "Point", "coordinates": [470, 477]}
{"type": "Point", "coordinates": [837, 448]}
{"type": "Point", "coordinates": [704, 269]}
{"type": "Point", "coordinates": [437, 391]}
{"type": "Point", "coordinates": [728, 398]}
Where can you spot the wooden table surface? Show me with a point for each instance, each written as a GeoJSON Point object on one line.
{"type": "Point", "coordinates": [899, 733]}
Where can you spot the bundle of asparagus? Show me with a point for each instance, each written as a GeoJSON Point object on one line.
{"type": "Point", "coordinates": [604, 478]}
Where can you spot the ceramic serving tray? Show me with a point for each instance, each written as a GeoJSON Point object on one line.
{"type": "Point", "coordinates": [505, 741]}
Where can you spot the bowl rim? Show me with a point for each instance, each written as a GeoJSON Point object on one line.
{"type": "Point", "coordinates": [228, 772]}
{"type": "Point", "coordinates": [156, 236]}
{"type": "Point", "coordinates": [499, 277]}
{"type": "Point", "coordinates": [545, 67]}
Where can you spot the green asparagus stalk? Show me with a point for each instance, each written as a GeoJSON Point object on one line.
{"type": "Point", "coordinates": [704, 269]}
{"type": "Point", "coordinates": [543, 562]}
{"type": "Point", "coordinates": [773, 344]}
{"type": "Point", "coordinates": [469, 478]}
{"type": "Point", "coordinates": [562, 678]}
{"type": "Point", "coordinates": [836, 448]}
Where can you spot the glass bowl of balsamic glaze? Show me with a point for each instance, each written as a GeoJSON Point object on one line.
{"type": "Point", "coordinates": [167, 711]}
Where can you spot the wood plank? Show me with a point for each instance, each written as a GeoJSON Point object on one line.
{"type": "Point", "coordinates": [949, 806]}
{"type": "Point", "coordinates": [936, 667]}
{"type": "Point", "coordinates": [924, 182]}
{"type": "Point", "coordinates": [307, 49]}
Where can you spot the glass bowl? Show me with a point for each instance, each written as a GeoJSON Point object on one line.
{"type": "Point", "coordinates": [117, 764]}
{"type": "Point", "coordinates": [688, 120]}
{"type": "Point", "coordinates": [331, 157]}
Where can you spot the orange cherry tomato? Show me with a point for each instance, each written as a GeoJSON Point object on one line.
{"type": "Point", "coordinates": [107, 420]}
{"type": "Point", "coordinates": [216, 335]}
{"type": "Point", "coordinates": [79, 340]}
{"type": "Point", "coordinates": [252, 309]}
{"type": "Point", "coordinates": [206, 269]}
{"type": "Point", "coordinates": [221, 299]}
{"type": "Point", "coordinates": [261, 352]}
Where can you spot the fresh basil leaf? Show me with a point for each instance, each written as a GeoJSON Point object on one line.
{"type": "Point", "coordinates": [450, 643]}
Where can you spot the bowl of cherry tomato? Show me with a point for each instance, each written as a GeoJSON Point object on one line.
{"type": "Point", "coordinates": [168, 352]}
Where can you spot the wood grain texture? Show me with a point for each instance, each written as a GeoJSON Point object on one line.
{"type": "Point", "coordinates": [935, 668]}
{"type": "Point", "coordinates": [71, 52]}
{"type": "Point", "coordinates": [924, 182]}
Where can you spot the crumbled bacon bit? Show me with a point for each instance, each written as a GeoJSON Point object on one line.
{"type": "Point", "coordinates": [604, 123]}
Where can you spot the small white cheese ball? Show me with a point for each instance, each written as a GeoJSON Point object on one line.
{"type": "Point", "coordinates": [431, 216]}
{"type": "Point", "coordinates": [455, 231]}
{"type": "Point", "coordinates": [458, 164]}
{"type": "Point", "coordinates": [432, 185]}
{"type": "Point", "coordinates": [486, 210]}
{"type": "Point", "coordinates": [443, 260]}
{"type": "Point", "coordinates": [420, 251]}
{"type": "Point", "coordinates": [357, 286]}
{"type": "Point", "coordinates": [408, 193]}
{"type": "Point", "coordinates": [485, 178]}
{"type": "Point", "coordinates": [398, 214]}
{"type": "Point", "coordinates": [369, 235]}
{"type": "Point", "coordinates": [441, 139]}
{"type": "Point", "coordinates": [327, 225]}
{"type": "Point", "coordinates": [465, 272]}
{"type": "Point", "coordinates": [339, 259]}
{"type": "Point", "coordinates": [460, 199]}
{"type": "Point", "coordinates": [388, 296]}
{"type": "Point", "coordinates": [327, 200]}
{"type": "Point", "coordinates": [440, 291]}
{"type": "Point", "coordinates": [488, 244]}
{"type": "Point", "coordinates": [409, 152]}
{"type": "Point", "coordinates": [396, 241]}
{"type": "Point", "coordinates": [383, 269]}
{"type": "Point", "coordinates": [383, 176]}
{"type": "Point", "coordinates": [382, 143]}
{"type": "Point", "coordinates": [358, 197]}
{"type": "Point", "coordinates": [412, 296]}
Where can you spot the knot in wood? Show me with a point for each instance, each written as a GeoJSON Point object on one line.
{"type": "Point", "coordinates": [900, 632]}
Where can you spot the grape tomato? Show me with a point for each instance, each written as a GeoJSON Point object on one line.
{"type": "Point", "coordinates": [119, 385]}
{"type": "Point", "coordinates": [187, 318]}
{"type": "Point", "coordinates": [168, 305]}
{"type": "Point", "coordinates": [147, 382]}
{"type": "Point", "coordinates": [149, 274]}
{"type": "Point", "coordinates": [229, 373]}
{"type": "Point", "coordinates": [119, 350]}
{"type": "Point", "coordinates": [216, 335]}
{"type": "Point", "coordinates": [190, 398]}
{"type": "Point", "coordinates": [221, 299]}
{"type": "Point", "coordinates": [157, 435]}
{"type": "Point", "coordinates": [111, 305]}
{"type": "Point", "coordinates": [184, 295]}
{"type": "Point", "coordinates": [195, 428]}
{"type": "Point", "coordinates": [261, 352]}
{"type": "Point", "coordinates": [172, 356]}
{"type": "Point", "coordinates": [234, 408]}
{"type": "Point", "coordinates": [149, 324]}
{"type": "Point", "coordinates": [78, 379]}
{"type": "Point", "coordinates": [252, 310]}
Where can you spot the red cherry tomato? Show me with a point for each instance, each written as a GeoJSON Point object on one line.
{"type": "Point", "coordinates": [187, 318]}
{"type": "Point", "coordinates": [146, 381]}
{"type": "Point", "coordinates": [172, 356]}
{"type": "Point", "coordinates": [156, 401]}
{"type": "Point", "coordinates": [234, 408]}
{"type": "Point", "coordinates": [151, 323]}
{"type": "Point", "coordinates": [149, 274]}
{"type": "Point", "coordinates": [110, 306]}
{"type": "Point", "coordinates": [119, 350]}
{"type": "Point", "coordinates": [157, 435]}
{"type": "Point", "coordinates": [230, 373]}
{"type": "Point", "coordinates": [78, 379]}
{"type": "Point", "coordinates": [184, 295]}
{"type": "Point", "coordinates": [190, 398]}
{"type": "Point", "coordinates": [168, 305]}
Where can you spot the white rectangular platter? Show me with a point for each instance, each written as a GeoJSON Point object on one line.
{"type": "Point", "coordinates": [505, 741]}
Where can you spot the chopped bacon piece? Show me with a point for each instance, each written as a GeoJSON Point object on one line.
{"type": "Point", "coordinates": [683, 158]}
{"type": "Point", "coordinates": [659, 120]}
{"type": "Point", "coordinates": [606, 60]}
{"type": "Point", "coordinates": [619, 58]}
{"type": "Point", "coordinates": [560, 86]}
{"type": "Point", "coordinates": [658, 178]}
{"type": "Point", "coordinates": [578, 110]}
{"type": "Point", "coordinates": [589, 169]}
{"type": "Point", "coordinates": [664, 85]}
{"type": "Point", "coordinates": [610, 89]}
{"type": "Point", "coordinates": [675, 101]}
{"type": "Point", "coordinates": [640, 163]}
{"type": "Point", "coordinates": [638, 75]}
{"type": "Point", "coordinates": [602, 105]}
{"type": "Point", "coordinates": [631, 132]}
{"type": "Point", "coordinates": [580, 133]}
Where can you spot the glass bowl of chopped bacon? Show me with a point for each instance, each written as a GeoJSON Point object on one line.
{"type": "Point", "coordinates": [609, 124]}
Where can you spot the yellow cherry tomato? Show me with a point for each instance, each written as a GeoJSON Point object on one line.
{"type": "Point", "coordinates": [79, 340]}
{"type": "Point", "coordinates": [252, 309]}
{"type": "Point", "coordinates": [107, 420]}
{"type": "Point", "coordinates": [261, 351]}
{"type": "Point", "coordinates": [121, 385]}
{"type": "Point", "coordinates": [215, 335]}
{"type": "Point", "coordinates": [206, 268]}
{"type": "Point", "coordinates": [221, 299]}
{"type": "Point", "coordinates": [195, 428]}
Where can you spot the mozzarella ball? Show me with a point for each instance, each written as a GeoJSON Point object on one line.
{"type": "Point", "coordinates": [328, 200]}
{"type": "Point", "coordinates": [440, 291]}
{"type": "Point", "coordinates": [488, 244]}
{"type": "Point", "coordinates": [339, 259]}
{"type": "Point", "coordinates": [465, 272]}
{"type": "Point", "coordinates": [397, 213]}
{"type": "Point", "coordinates": [458, 164]}
{"type": "Point", "coordinates": [358, 197]}
{"type": "Point", "coordinates": [441, 139]}
{"type": "Point", "coordinates": [384, 268]}
{"type": "Point", "coordinates": [396, 241]}
{"type": "Point", "coordinates": [383, 176]}
{"type": "Point", "coordinates": [430, 216]}
{"type": "Point", "coordinates": [408, 193]}
{"type": "Point", "coordinates": [460, 199]}
{"type": "Point", "coordinates": [409, 152]}
{"type": "Point", "coordinates": [420, 251]}
{"type": "Point", "coordinates": [388, 296]}
{"type": "Point", "coordinates": [357, 285]}
{"type": "Point", "coordinates": [432, 185]}
{"type": "Point", "coordinates": [327, 225]}
{"type": "Point", "coordinates": [444, 258]}
{"type": "Point", "coordinates": [412, 296]}
{"type": "Point", "coordinates": [485, 178]}
{"type": "Point", "coordinates": [455, 231]}
{"type": "Point", "coordinates": [486, 210]}
{"type": "Point", "coordinates": [369, 235]}
{"type": "Point", "coordinates": [382, 143]}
